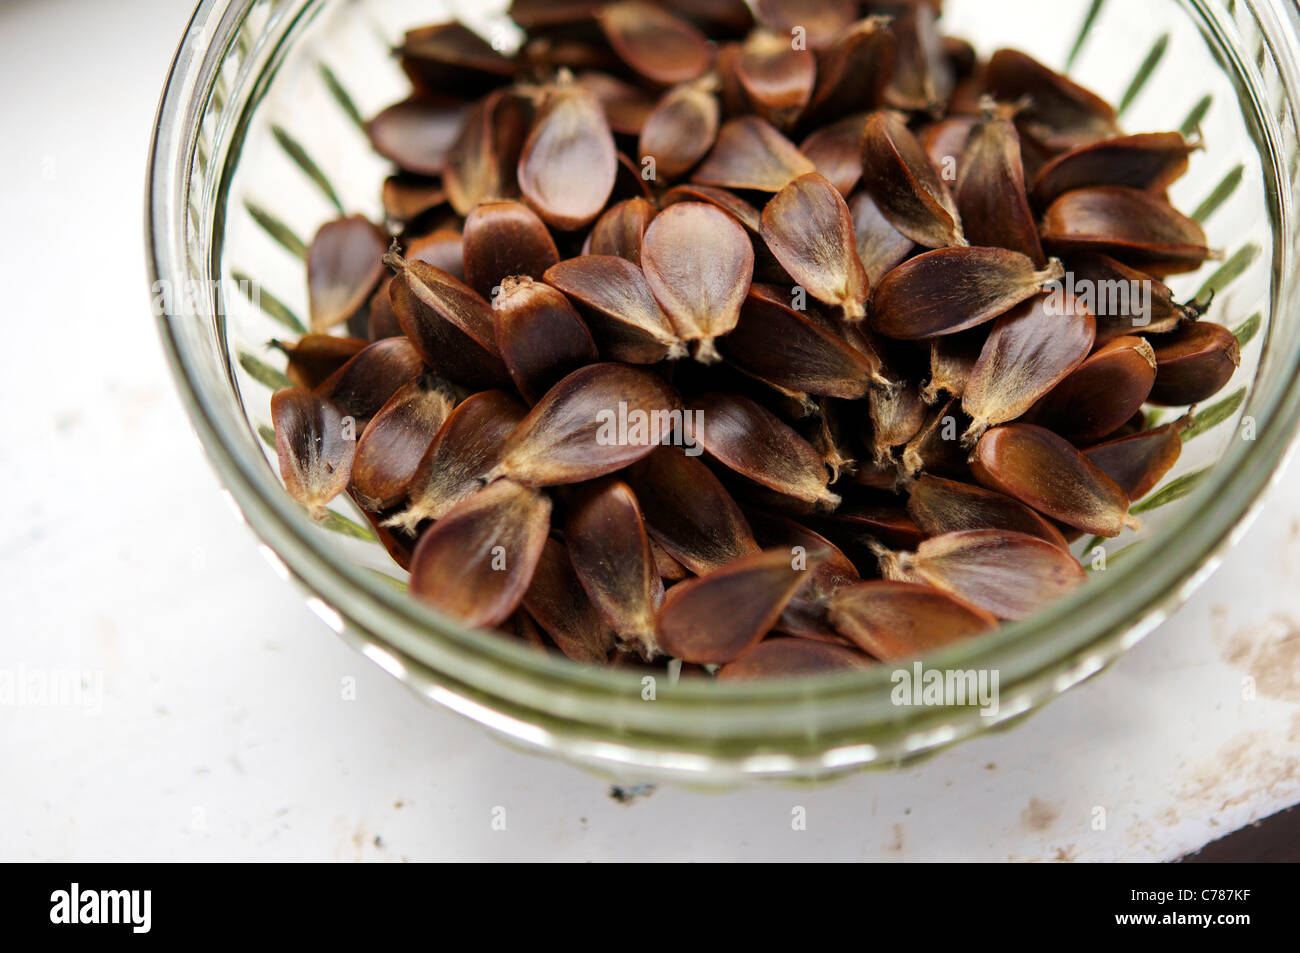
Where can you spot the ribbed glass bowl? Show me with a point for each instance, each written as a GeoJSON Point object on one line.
{"type": "Point", "coordinates": [258, 142]}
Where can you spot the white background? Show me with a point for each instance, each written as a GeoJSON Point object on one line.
{"type": "Point", "coordinates": [222, 733]}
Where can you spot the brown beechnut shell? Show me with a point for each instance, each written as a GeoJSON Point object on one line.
{"type": "Point", "coordinates": [835, 150]}
{"type": "Point", "coordinates": [465, 449]}
{"type": "Point", "coordinates": [864, 522]}
{"type": "Point", "coordinates": [755, 443]}
{"type": "Point", "coordinates": [1152, 161]}
{"type": "Point", "coordinates": [630, 183]}
{"type": "Point", "coordinates": [945, 143]}
{"type": "Point", "coordinates": [689, 513]}
{"type": "Point", "coordinates": [418, 133]}
{"type": "Point", "coordinates": [778, 657]}
{"type": "Point", "coordinates": [315, 357]}
{"type": "Point", "coordinates": [1194, 363]}
{"type": "Point", "coordinates": [808, 227]}
{"type": "Point", "coordinates": [853, 73]}
{"type": "Point", "coordinates": [539, 16]}
{"type": "Point", "coordinates": [663, 48]}
{"type": "Point", "coordinates": [959, 53]}
{"type": "Point", "coordinates": [714, 618]}
{"type": "Point", "coordinates": [731, 95]}
{"type": "Point", "coordinates": [344, 264]}
{"type": "Point", "coordinates": [396, 440]}
{"type": "Point", "coordinates": [954, 289]}
{"type": "Point", "coordinates": [946, 506]}
{"type": "Point", "coordinates": [407, 197]}
{"type": "Point", "coordinates": [670, 570]}
{"type": "Point", "coordinates": [1045, 472]}
{"type": "Point", "coordinates": [1060, 115]}
{"type": "Point", "coordinates": [807, 614]}
{"type": "Point", "coordinates": [450, 55]}
{"type": "Point", "coordinates": [505, 240]}
{"type": "Point", "coordinates": [1134, 425]}
{"type": "Point", "coordinates": [557, 600]}
{"type": "Point", "coordinates": [443, 248]}
{"type": "Point", "coordinates": [449, 324]}
{"type": "Point", "coordinates": [1007, 575]}
{"type": "Point", "coordinates": [1137, 462]}
{"type": "Point", "coordinates": [881, 247]}
{"type": "Point", "coordinates": [573, 50]}
{"type": "Point", "coordinates": [483, 161]}
{"type": "Point", "coordinates": [991, 195]}
{"type": "Point", "coordinates": [622, 313]}
{"type": "Point", "coordinates": [952, 358]}
{"type": "Point", "coordinates": [475, 563]}
{"type": "Point", "coordinates": [1127, 310]}
{"type": "Point", "coordinates": [750, 154]}
{"type": "Point", "coordinates": [621, 230]}
{"type": "Point", "coordinates": [381, 319]}
{"type": "Point", "coordinates": [898, 175]}
{"type": "Point", "coordinates": [795, 354]}
{"type": "Point", "coordinates": [777, 76]}
{"type": "Point", "coordinates": [1101, 393]}
{"type": "Point", "coordinates": [540, 337]}
{"type": "Point", "coordinates": [611, 555]}
{"type": "Point", "coordinates": [699, 263]}
{"type": "Point", "coordinates": [680, 129]}
{"type": "Point", "coordinates": [897, 415]}
{"type": "Point", "coordinates": [314, 447]}
{"type": "Point", "coordinates": [626, 106]}
{"type": "Point", "coordinates": [573, 433]}
{"type": "Point", "coordinates": [821, 21]}
{"type": "Point", "coordinates": [722, 18]}
{"type": "Point", "coordinates": [923, 79]}
{"type": "Point", "coordinates": [746, 214]}
{"type": "Point", "coordinates": [1028, 352]}
{"type": "Point", "coordinates": [1134, 226]}
{"type": "Point", "coordinates": [893, 621]}
{"type": "Point", "coordinates": [568, 163]}
{"type": "Point", "coordinates": [364, 384]}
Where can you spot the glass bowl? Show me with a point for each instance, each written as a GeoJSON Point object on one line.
{"type": "Point", "coordinates": [258, 142]}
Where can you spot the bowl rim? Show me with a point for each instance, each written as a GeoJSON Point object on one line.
{"type": "Point", "coordinates": [828, 723]}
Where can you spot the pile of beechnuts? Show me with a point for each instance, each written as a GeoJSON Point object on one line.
{"type": "Point", "coordinates": [747, 337]}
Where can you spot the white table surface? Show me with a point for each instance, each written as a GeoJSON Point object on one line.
{"type": "Point", "coordinates": [222, 734]}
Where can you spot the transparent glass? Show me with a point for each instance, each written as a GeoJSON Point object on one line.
{"type": "Point", "coordinates": [255, 141]}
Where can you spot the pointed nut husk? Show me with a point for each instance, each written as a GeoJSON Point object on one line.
{"type": "Point", "coordinates": [476, 562]}
{"type": "Point", "coordinates": [314, 447]}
